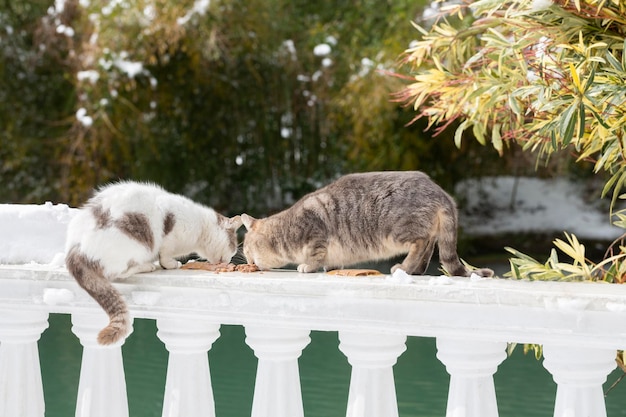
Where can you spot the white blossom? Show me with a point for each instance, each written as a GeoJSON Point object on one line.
{"type": "Point", "coordinates": [322, 49]}
{"type": "Point", "coordinates": [83, 118]}
{"type": "Point", "coordinates": [88, 75]}
{"type": "Point", "coordinates": [538, 5]}
{"type": "Point", "coordinates": [199, 7]}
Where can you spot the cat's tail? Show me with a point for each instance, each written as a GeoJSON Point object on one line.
{"type": "Point", "coordinates": [447, 241]}
{"type": "Point", "coordinates": [89, 275]}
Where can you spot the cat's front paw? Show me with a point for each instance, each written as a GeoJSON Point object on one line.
{"type": "Point", "coordinates": [305, 268]}
{"type": "Point", "coordinates": [396, 267]}
{"type": "Point", "coordinates": [170, 264]}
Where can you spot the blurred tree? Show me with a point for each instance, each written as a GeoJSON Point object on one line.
{"type": "Point", "coordinates": [34, 103]}
{"type": "Point", "coordinates": [244, 105]}
{"type": "Point", "coordinates": [548, 75]}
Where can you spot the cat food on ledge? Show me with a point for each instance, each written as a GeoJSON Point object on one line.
{"type": "Point", "coordinates": [220, 267]}
{"type": "Point", "coordinates": [246, 268]}
{"type": "Point", "coordinates": [354, 272]}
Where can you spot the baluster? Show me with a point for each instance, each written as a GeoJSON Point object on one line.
{"type": "Point", "coordinates": [372, 388]}
{"type": "Point", "coordinates": [102, 385]}
{"type": "Point", "coordinates": [579, 373]}
{"type": "Point", "coordinates": [21, 389]}
{"type": "Point", "coordinates": [277, 390]}
{"type": "Point", "coordinates": [471, 365]}
{"type": "Point", "coordinates": [188, 389]}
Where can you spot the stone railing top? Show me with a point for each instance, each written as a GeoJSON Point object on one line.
{"type": "Point", "coordinates": [497, 309]}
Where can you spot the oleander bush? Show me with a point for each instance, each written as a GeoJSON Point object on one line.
{"type": "Point", "coordinates": [549, 76]}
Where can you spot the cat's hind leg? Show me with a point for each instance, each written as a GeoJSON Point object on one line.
{"type": "Point", "coordinates": [447, 250]}
{"type": "Point", "coordinates": [418, 258]}
{"type": "Point", "coordinates": [427, 256]}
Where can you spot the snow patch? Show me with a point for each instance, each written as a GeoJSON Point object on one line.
{"type": "Point", "coordinates": [495, 205]}
{"type": "Point", "coordinates": [474, 277]}
{"type": "Point", "coordinates": [33, 233]}
{"type": "Point", "coordinates": [441, 280]}
{"type": "Point", "coordinates": [400, 277]}
{"type": "Point", "coordinates": [566, 304]}
{"type": "Point", "coordinates": [616, 307]}
{"type": "Point", "coordinates": [58, 260]}
{"type": "Point", "coordinates": [54, 296]}
{"type": "Point", "coordinates": [146, 298]}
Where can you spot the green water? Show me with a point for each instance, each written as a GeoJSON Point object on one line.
{"type": "Point", "coordinates": [524, 387]}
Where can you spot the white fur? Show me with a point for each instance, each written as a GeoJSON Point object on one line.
{"type": "Point", "coordinates": [196, 229]}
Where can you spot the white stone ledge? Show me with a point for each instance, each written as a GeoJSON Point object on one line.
{"type": "Point", "coordinates": [588, 314]}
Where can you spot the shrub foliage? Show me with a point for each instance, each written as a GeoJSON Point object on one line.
{"type": "Point", "coordinates": [547, 75]}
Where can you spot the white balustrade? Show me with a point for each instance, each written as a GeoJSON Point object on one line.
{"type": "Point", "coordinates": [277, 389]}
{"type": "Point", "coordinates": [372, 388]}
{"type": "Point", "coordinates": [102, 385]}
{"type": "Point", "coordinates": [21, 390]}
{"type": "Point", "coordinates": [471, 365]}
{"type": "Point", "coordinates": [188, 342]}
{"type": "Point", "coordinates": [579, 373]}
{"type": "Point", "coordinates": [580, 326]}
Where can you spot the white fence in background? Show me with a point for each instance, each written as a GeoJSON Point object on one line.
{"type": "Point", "coordinates": [580, 325]}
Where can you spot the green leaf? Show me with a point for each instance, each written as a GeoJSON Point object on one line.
{"type": "Point", "coordinates": [520, 255]}
{"type": "Point", "coordinates": [568, 123]}
{"type": "Point", "coordinates": [419, 28]}
{"type": "Point", "coordinates": [496, 138]}
{"type": "Point", "coordinates": [458, 134]}
{"type": "Point", "coordinates": [479, 133]}
{"type": "Point", "coordinates": [515, 270]}
{"type": "Point", "coordinates": [581, 123]}
{"type": "Point", "coordinates": [514, 105]}
{"type": "Point", "coordinates": [618, 185]}
{"type": "Point", "coordinates": [609, 184]}
{"type": "Point", "coordinates": [614, 62]}
{"type": "Point", "coordinates": [599, 118]}
{"type": "Point", "coordinates": [510, 347]}
{"type": "Point", "coordinates": [554, 258]}
{"type": "Point", "coordinates": [589, 80]}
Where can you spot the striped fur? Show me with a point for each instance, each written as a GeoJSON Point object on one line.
{"type": "Point", "coordinates": [359, 218]}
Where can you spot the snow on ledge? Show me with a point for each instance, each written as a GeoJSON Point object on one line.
{"type": "Point", "coordinates": [33, 233]}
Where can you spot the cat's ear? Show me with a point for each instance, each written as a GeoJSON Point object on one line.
{"type": "Point", "coordinates": [234, 222]}
{"type": "Point", "coordinates": [248, 221]}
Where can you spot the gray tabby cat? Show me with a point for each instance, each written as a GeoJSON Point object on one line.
{"type": "Point", "coordinates": [358, 218]}
{"type": "Point", "coordinates": [128, 226]}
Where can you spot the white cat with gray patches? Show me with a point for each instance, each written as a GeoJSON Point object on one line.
{"type": "Point", "coordinates": [359, 218]}
{"type": "Point", "coordinates": [125, 228]}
